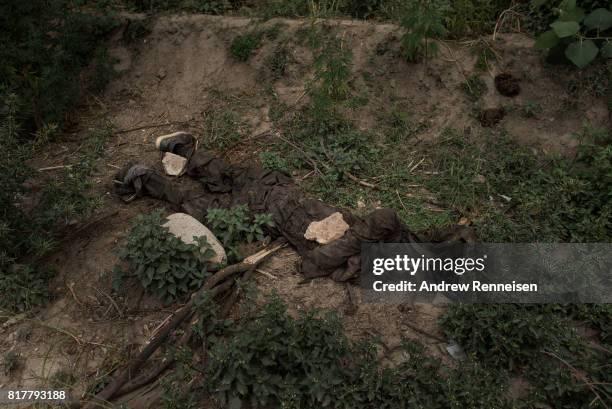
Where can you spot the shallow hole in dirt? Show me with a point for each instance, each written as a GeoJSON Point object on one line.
{"type": "Point", "coordinates": [507, 85]}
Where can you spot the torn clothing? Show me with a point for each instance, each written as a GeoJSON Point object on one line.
{"type": "Point", "coordinates": [273, 192]}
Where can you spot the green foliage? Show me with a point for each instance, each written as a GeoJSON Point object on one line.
{"type": "Point", "coordinates": [46, 44]}
{"type": "Point", "coordinates": [273, 161]}
{"type": "Point", "coordinates": [62, 199]}
{"type": "Point", "coordinates": [331, 71]}
{"type": "Point", "coordinates": [200, 6]}
{"type": "Point", "coordinates": [502, 335]}
{"type": "Point", "coordinates": [165, 265]}
{"type": "Point", "coordinates": [10, 362]}
{"type": "Point", "coordinates": [236, 226]}
{"type": "Point", "coordinates": [538, 342]}
{"type": "Point", "coordinates": [24, 287]}
{"type": "Point", "coordinates": [474, 87]}
{"type": "Point", "coordinates": [244, 45]}
{"type": "Point", "coordinates": [557, 200]}
{"type": "Point", "coordinates": [583, 34]}
{"type": "Point", "coordinates": [275, 360]}
{"type": "Point", "coordinates": [275, 64]}
{"type": "Point", "coordinates": [422, 20]}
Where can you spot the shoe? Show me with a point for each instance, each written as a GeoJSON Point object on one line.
{"type": "Point", "coordinates": [179, 143]}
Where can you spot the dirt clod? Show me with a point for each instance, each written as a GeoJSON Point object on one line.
{"type": "Point", "coordinates": [491, 117]}
{"type": "Point", "coordinates": [507, 85]}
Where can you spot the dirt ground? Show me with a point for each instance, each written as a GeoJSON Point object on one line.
{"type": "Point", "coordinates": [168, 77]}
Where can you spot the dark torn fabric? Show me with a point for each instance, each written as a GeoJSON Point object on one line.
{"type": "Point", "coordinates": [270, 191]}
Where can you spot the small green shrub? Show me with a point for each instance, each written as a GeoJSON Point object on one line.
{"type": "Point", "coordinates": [274, 360]}
{"type": "Point", "coordinates": [165, 265]}
{"type": "Point", "coordinates": [24, 287]}
{"type": "Point", "coordinates": [244, 45]}
{"type": "Point", "coordinates": [581, 34]}
{"type": "Point", "coordinates": [235, 227]}
{"type": "Point", "coordinates": [275, 64]}
{"type": "Point", "coordinates": [503, 335]}
{"type": "Point", "coordinates": [273, 161]}
{"type": "Point", "coordinates": [10, 362]}
{"type": "Point", "coordinates": [474, 87]}
{"type": "Point", "coordinates": [422, 20]}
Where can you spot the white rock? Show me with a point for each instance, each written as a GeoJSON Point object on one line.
{"type": "Point", "coordinates": [173, 164]}
{"type": "Point", "coordinates": [186, 228]}
{"type": "Point", "coordinates": [327, 230]}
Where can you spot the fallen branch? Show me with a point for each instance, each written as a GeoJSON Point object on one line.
{"type": "Point", "coordinates": [139, 128]}
{"type": "Point", "coordinates": [213, 286]}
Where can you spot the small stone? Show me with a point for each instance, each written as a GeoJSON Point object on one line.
{"type": "Point", "coordinates": [186, 228]}
{"type": "Point", "coordinates": [327, 230]}
{"type": "Point", "coordinates": [173, 164]}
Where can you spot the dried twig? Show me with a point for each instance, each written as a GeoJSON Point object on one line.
{"type": "Point", "coordinates": [151, 126]}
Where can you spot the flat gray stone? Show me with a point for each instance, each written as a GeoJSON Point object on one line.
{"type": "Point", "coordinates": [186, 228]}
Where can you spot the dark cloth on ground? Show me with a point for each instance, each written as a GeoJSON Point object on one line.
{"type": "Point", "coordinates": [274, 192]}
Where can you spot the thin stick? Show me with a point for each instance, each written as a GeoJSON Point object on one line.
{"type": "Point", "coordinates": [54, 168]}
{"type": "Point", "coordinates": [151, 126]}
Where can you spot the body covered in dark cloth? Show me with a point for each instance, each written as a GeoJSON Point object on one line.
{"type": "Point", "coordinates": [274, 192]}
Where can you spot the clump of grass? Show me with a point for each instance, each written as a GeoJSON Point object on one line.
{"type": "Point", "coordinates": [474, 87]}
{"type": "Point", "coordinates": [244, 45]}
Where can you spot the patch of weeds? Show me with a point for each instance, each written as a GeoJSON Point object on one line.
{"type": "Point", "coordinates": [270, 359]}
{"type": "Point", "coordinates": [165, 265]}
{"type": "Point", "coordinates": [273, 161]}
{"type": "Point", "coordinates": [244, 45]}
{"type": "Point", "coordinates": [422, 20]}
{"type": "Point", "coordinates": [136, 30]}
{"type": "Point", "coordinates": [222, 121]}
{"type": "Point", "coordinates": [538, 342]}
{"type": "Point", "coordinates": [503, 335]}
{"type": "Point", "coordinates": [551, 198]}
{"type": "Point", "coordinates": [236, 226]}
{"type": "Point", "coordinates": [201, 6]}
{"type": "Point", "coordinates": [62, 379]}
{"type": "Point", "coordinates": [474, 87]}
{"type": "Point", "coordinates": [103, 71]}
{"type": "Point", "coordinates": [275, 64]}
{"type": "Point", "coordinates": [331, 71]}
{"type": "Point", "coordinates": [531, 109]}
{"type": "Point", "coordinates": [484, 55]}
{"type": "Point", "coordinates": [10, 362]}
{"type": "Point", "coordinates": [592, 81]}
{"type": "Point", "coordinates": [24, 286]}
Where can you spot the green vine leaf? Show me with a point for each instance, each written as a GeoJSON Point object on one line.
{"type": "Point", "coordinates": [581, 53]}
{"type": "Point", "coordinates": [606, 50]}
{"type": "Point", "coordinates": [565, 28]}
{"type": "Point", "coordinates": [547, 40]}
{"type": "Point", "coordinates": [575, 14]}
{"type": "Point", "coordinates": [600, 19]}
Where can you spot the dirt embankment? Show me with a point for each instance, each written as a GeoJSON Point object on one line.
{"type": "Point", "coordinates": [179, 72]}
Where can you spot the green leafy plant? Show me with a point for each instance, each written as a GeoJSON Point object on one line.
{"type": "Point", "coordinates": [165, 265]}
{"type": "Point", "coordinates": [236, 226]}
{"type": "Point", "coordinates": [422, 20]}
{"type": "Point", "coordinates": [474, 87]}
{"type": "Point", "coordinates": [272, 359]}
{"type": "Point", "coordinates": [245, 44]}
{"type": "Point", "coordinates": [273, 161]}
{"type": "Point", "coordinates": [10, 362]}
{"type": "Point", "coordinates": [582, 35]}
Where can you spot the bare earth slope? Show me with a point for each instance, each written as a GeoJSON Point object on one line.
{"type": "Point", "coordinates": [181, 73]}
